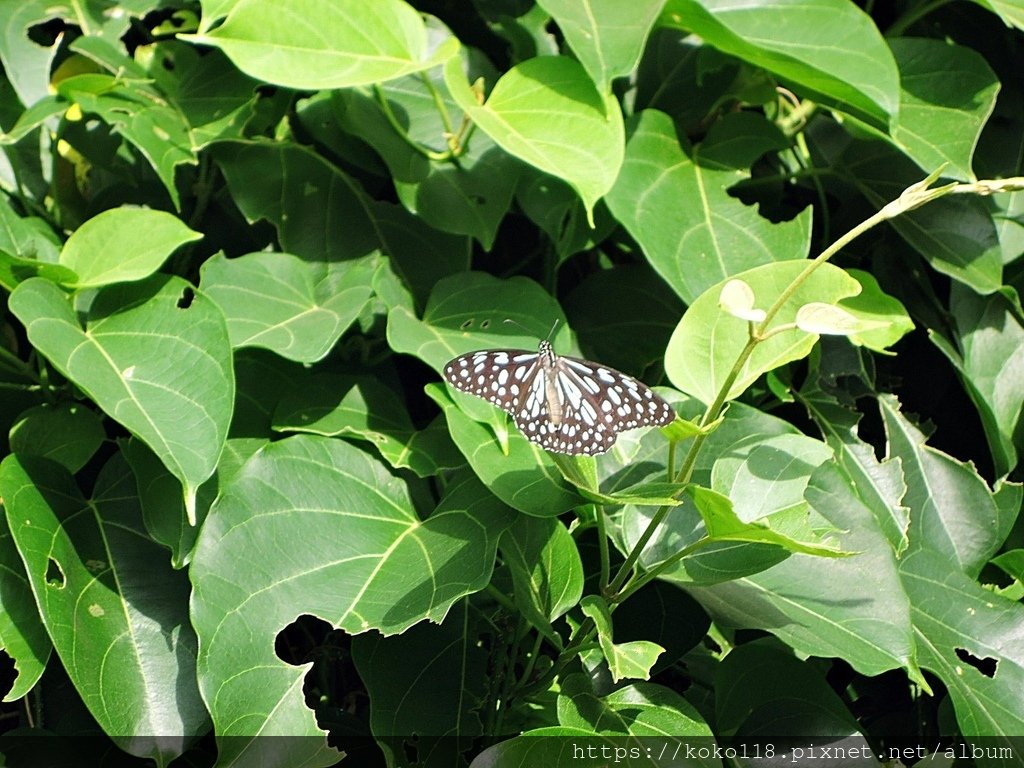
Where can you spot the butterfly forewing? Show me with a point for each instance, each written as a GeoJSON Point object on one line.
{"type": "Point", "coordinates": [564, 404]}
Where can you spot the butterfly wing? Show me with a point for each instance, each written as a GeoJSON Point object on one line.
{"type": "Point", "coordinates": [599, 402]}
{"type": "Point", "coordinates": [500, 376]}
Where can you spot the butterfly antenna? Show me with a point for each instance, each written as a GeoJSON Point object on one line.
{"type": "Point", "coordinates": [514, 322]}
{"type": "Point", "coordinates": [551, 333]}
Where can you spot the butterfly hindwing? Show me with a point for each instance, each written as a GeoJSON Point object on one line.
{"type": "Point", "coordinates": [591, 402]}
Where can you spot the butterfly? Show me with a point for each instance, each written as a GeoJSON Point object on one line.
{"type": "Point", "coordinates": [563, 404]}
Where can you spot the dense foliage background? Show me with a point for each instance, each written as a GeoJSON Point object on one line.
{"type": "Point", "coordinates": [239, 241]}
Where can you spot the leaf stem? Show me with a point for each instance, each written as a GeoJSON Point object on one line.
{"type": "Point", "coordinates": [389, 115]}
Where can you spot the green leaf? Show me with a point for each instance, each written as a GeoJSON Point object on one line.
{"type": "Point", "coordinates": [470, 196]}
{"type": "Point", "coordinates": [363, 408]}
{"type": "Point", "coordinates": [354, 553]}
{"type": "Point", "coordinates": [828, 50]}
{"type": "Point", "coordinates": [851, 607]}
{"type": "Point", "coordinates": [675, 201]}
{"type": "Point", "coordinates": [67, 433]}
{"type": "Point", "coordinates": [607, 36]}
{"type": "Point", "coordinates": [987, 351]}
{"type": "Point", "coordinates": [140, 113]}
{"type": "Point", "coordinates": [123, 245]}
{"type": "Point", "coordinates": [523, 475]}
{"type": "Point", "coordinates": [22, 634]}
{"type": "Point", "coordinates": [707, 342]}
{"type": "Point", "coordinates": [322, 214]}
{"type": "Point", "coordinates": [763, 476]}
{"type": "Point", "coordinates": [962, 630]}
{"type": "Point", "coordinates": [115, 610]}
{"type": "Point", "coordinates": [602, 311]}
{"type": "Point", "coordinates": [547, 112]}
{"type": "Point", "coordinates": [941, 117]}
{"type": "Point", "coordinates": [315, 44]}
{"type": "Point", "coordinates": [872, 306]}
{"type": "Point", "coordinates": [295, 307]}
{"type": "Point", "coordinates": [758, 679]}
{"type": "Point", "coordinates": [952, 510]}
{"type": "Point", "coordinates": [625, 660]}
{"type": "Point", "coordinates": [132, 333]}
{"type": "Point", "coordinates": [878, 484]}
{"type": "Point", "coordinates": [429, 681]}
{"type": "Point", "coordinates": [547, 573]}
{"type": "Point", "coordinates": [553, 206]}
{"type": "Point", "coordinates": [638, 709]}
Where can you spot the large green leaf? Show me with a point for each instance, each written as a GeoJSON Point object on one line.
{"type": "Point", "coordinates": [430, 681]}
{"type": "Point", "coordinates": [363, 408]}
{"type": "Point", "coordinates": [675, 201]}
{"type": "Point", "coordinates": [115, 610]}
{"type": "Point", "coordinates": [853, 607]}
{"type": "Point", "coordinates": [68, 433]}
{"type": "Point", "coordinates": [829, 50]}
{"type": "Point", "coordinates": [941, 117]}
{"type": "Point", "coordinates": [349, 548]}
{"type": "Point", "coordinates": [295, 307]}
{"type": "Point", "coordinates": [123, 244]}
{"type": "Point", "coordinates": [22, 633]}
{"type": "Point", "coordinates": [325, 43]}
{"type": "Point", "coordinates": [322, 214]}
{"type": "Point", "coordinates": [521, 474]}
{"type": "Point", "coordinates": [973, 641]}
{"type": "Point", "coordinates": [548, 113]}
{"type": "Point", "coordinates": [952, 510]}
{"type": "Point", "coordinates": [708, 341]}
{"type": "Point", "coordinates": [988, 352]}
{"type": "Point", "coordinates": [878, 484]}
{"type": "Point", "coordinates": [607, 36]}
{"type": "Point", "coordinates": [546, 569]}
{"type": "Point", "coordinates": [153, 355]}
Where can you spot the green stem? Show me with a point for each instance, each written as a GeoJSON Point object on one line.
{"type": "Point", "coordinates": [15, 364]}
{"type": "Point", "coordinates": [602, 546]}
{"type": "Point", "coordinates": [385, 107]}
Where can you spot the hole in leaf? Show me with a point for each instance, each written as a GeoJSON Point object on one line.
{"type": "Point", "coordinates": [986, 666]}
{"type": "Point", "coordinates": [466, 324]}
{"type": "Point", "coordinates": [412, 750]}
{"type": "Point", "coordinates": [54, 574]}
{"type": "Point", "coordinates": [485, 324]}
{"type": "Point", "coordinates": [296, 643]}
{"type": "Point", "coordinates": [185, 301]}
{"type": "Point", "coordinates": [47, 33]}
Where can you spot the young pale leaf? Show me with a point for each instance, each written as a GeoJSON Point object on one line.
{"type": "Point", "coordinates": [547, 112]}
{"type": "Point", "coordinates": [826, 319]}
{"type": "Point", "coordinates": [311, 44]}
{"type": "Point", "coordinates": [123, 244]}
{"type": "Point", "coordinates": [135, 336]}
{"type": "Point", "coordinates": [737, 298]}
{"type": "Point", "coordinates": [882, 317]}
